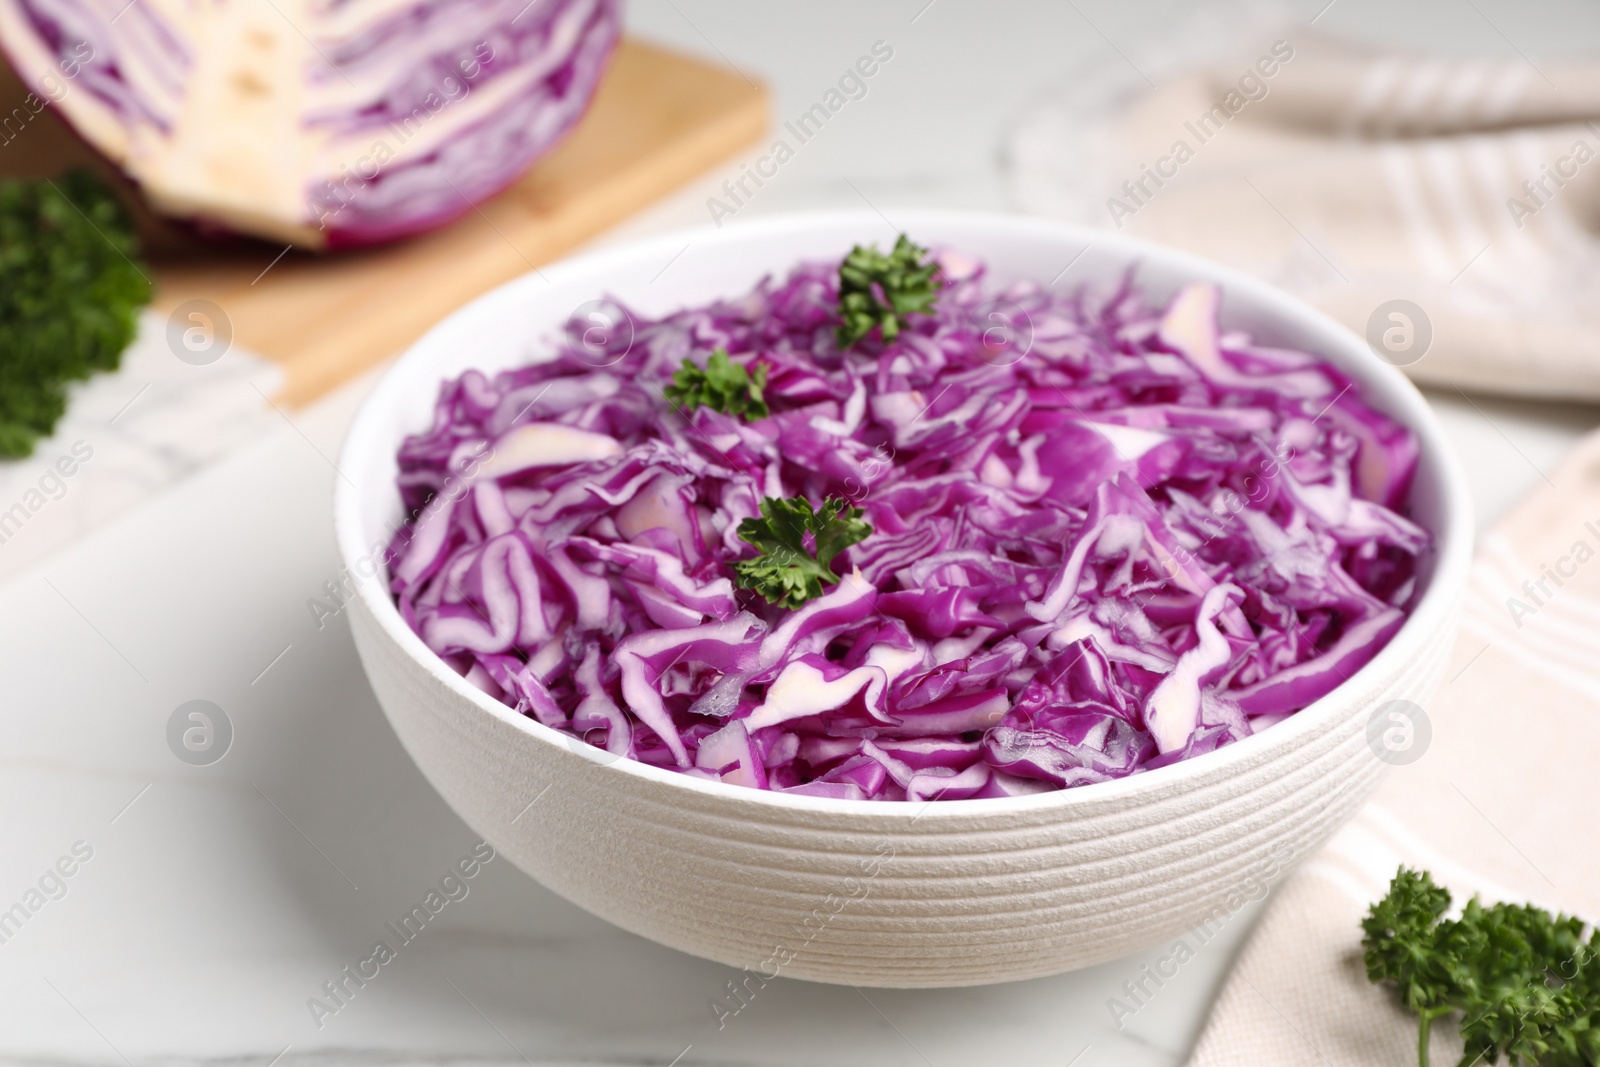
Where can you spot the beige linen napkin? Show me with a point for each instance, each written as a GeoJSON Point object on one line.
{"type": "Point", "coordinates": [1503, 800]}
{"type": "Point", "coordinates": [1467, 188]}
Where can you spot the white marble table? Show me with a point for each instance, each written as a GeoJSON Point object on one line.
{"type": "Point", "coordinates": [218, 899]}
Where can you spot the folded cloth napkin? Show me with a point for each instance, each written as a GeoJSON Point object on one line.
{"type": "Point", "coordinates": [1502, 800]}
{"type": "Point", "coordinates": [1448, 209]}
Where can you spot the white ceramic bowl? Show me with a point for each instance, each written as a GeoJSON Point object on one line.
{"type": "Point", "coordinates": [883, 894]}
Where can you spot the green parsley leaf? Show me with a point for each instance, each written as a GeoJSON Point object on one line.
{"type": "Point", "coordinates": [723, 386]}
{"type": "Point", "coordinates": [879, 290]}
{"type": "Point", "coordinates": [787, 573]}
{"type": "Point", "coordinates": [70, 295]}
{"type": "Point", "coordinates": [1526, 983]}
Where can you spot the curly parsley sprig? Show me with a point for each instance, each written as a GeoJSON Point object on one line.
{"type": "Point", "coordinates": [70, 294]}
{"type": "Point", "coordinates": [787, 572]}
{"type": "Point", "coordinates": [880, 290]}
{"type": "Point", "coordinates": [1527, 984]}
{"type": "Point", "coordinates": [721, 385]}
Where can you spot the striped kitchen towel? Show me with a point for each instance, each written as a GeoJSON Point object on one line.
{"type": "Point", "coordinates": [1495, 794]}
{"type": "Point", "coordinates": [1447, 209]}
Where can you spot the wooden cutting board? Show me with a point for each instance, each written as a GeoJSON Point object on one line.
{"type": "Point", "coordinates": [657, 120]}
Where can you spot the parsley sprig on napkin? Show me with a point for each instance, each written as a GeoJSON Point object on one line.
{"type": "Point", "coordinates": [1526, 983]}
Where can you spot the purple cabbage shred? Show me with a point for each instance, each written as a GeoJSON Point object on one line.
{"type": "Point", "coordinates": [1108, 536]}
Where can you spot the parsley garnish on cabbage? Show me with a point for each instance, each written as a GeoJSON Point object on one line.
{"type": "Point", "coordinates": [787, 572]}
{"type": "Point", "coordinates": [722, 385]}
{"type": "Point", "coordinates": [877, 290]}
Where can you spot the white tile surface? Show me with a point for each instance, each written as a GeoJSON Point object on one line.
{"type": "Point", "coordinates": [126, 437]}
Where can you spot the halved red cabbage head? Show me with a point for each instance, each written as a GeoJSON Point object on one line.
{"type": "Point", "coordinates": [1106, 536]}
{"type": "Point", "coordinates": [325, 124]}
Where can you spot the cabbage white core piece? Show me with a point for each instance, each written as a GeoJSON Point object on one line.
{"type": "Point", "coordinates": [325, 123]}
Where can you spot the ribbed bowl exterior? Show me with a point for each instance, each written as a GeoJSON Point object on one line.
{"type": "Point", "coordinates": [958, 893]}
{"type": "Point", "coordinates": [944, 893]}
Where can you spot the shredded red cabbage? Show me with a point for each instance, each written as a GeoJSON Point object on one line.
{"type": "Point", "coordinates": [1107, 537]}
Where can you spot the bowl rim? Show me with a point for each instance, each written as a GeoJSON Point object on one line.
{"type": "Point", "coordinates": [1453, 535]}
